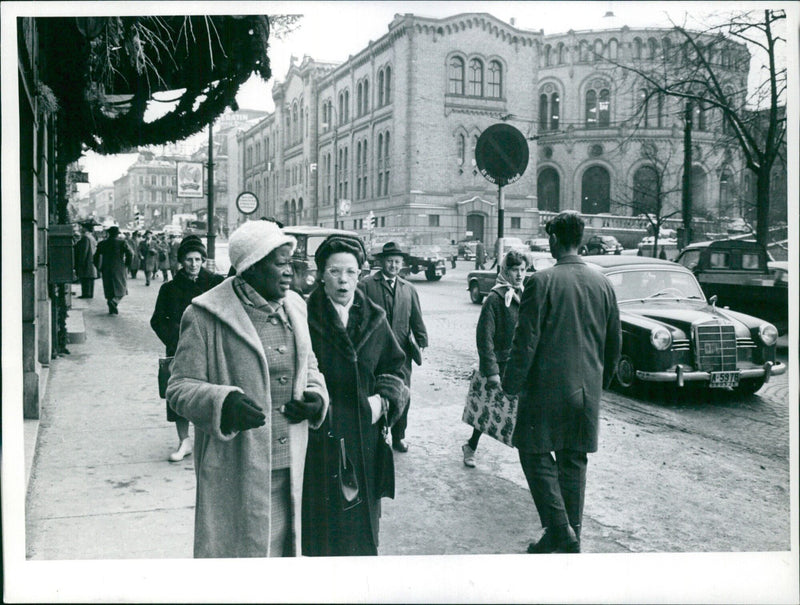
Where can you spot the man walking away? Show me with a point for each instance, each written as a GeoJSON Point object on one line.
{"type": "Point", "coordinates": [112, 258]}
{"type": "Point", "coordinates": [480, 256]}
{"type": "Point", "coordinates": [401, 302]}
{"type": "Point", "coordinates": [564, 352]}
{"type": "Point", "coordinates": [84, 259]}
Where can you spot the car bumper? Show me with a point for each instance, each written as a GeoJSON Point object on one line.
{"type": "Point", "coordinates": [680, 375]}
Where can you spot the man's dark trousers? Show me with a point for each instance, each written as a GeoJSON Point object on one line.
{"type": "Point", "coordinates": [557, 486]}
{"type": "Point", "coordinates": [87, 287]}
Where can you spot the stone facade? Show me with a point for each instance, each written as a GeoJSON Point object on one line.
{"type": "Point", "coordinates": [393, 131]}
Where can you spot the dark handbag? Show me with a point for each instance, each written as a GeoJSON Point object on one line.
{"type": "Point", "coordinates": [164, 371]}
{"type": "Point", "coordinates": [384, 479]}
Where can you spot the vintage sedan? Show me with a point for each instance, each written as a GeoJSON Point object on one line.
{"type": "Point", "coordinates": [672, 334]}
{"type": "Point", "coordinates": [480, 281]}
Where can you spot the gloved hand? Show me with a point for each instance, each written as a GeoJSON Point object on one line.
{"type": "Point", "coordinates": [308, 409]}
{"type": "Point", "coordinates": [240, 413]}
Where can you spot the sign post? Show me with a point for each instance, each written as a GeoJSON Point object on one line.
{"type": "Point", "coordinates": [502, 157]}
{"type": "Point", "coordinates": [247, 202]}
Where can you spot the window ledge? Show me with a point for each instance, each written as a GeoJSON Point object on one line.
{"type": "Point", "coordinates": [469, 103]}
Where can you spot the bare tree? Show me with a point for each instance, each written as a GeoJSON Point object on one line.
{"type": "Point", "coordinates": [698, 69]}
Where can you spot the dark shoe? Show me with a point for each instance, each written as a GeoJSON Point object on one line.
{"type": "Point", "coordinates": [561, 539]}
{"type": "Point", "coordinates": [400, 445]}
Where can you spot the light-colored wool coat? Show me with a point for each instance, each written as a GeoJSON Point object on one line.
{"type": "Point", "coordinates": [219, 352]}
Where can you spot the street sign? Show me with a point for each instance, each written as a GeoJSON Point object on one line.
{"type": "Point", "coordinates": [501, 154]}
{"type": "Point", "coordinates": [247, 202]}
{"type": "Point", "coordinates": [79, 176]}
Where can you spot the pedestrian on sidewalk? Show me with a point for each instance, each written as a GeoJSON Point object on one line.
{"type": "Point", "coordinates": [363, 367]}
{"type": "Point", "coordinates": [148, 254]}
{"type": "Point", "coordinates": [174, 263]}
{"type": "Point", "coordinates": [136, 260]}
{"type": "Point", "coordinates": [399, 299]}
{"type": "Point", "coordinates": [245, 375]}
{"type": "Point", "coordinates": [190, 281]}
{"type": "Point", "coordinates": [84, 259]}
{"type": "Point", "coordinates": [480, 256]}
{"type": "Point", "coordinates": [163, 258]}
{"type": "Point", "coordinates": [496, 329]}
{"type": "Point", "coordinates": [564, 352]}
{"type": "Point", "coordinates": [112, 258]}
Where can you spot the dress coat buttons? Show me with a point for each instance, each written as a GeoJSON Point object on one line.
{"type": "Point", "coordinates": [283, 380]}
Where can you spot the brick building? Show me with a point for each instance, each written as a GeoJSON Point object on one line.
{"type": "Point", "coordinates": [393, 131]}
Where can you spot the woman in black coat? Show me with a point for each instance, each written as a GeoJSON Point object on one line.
{"type": "Point", "coordinates": [363, 368]}
{"type": "Point", "coordinates": [190, 281]}
{"type": "Point", "coordinates": [495, 330]}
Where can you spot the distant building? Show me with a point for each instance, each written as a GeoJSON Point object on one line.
{"type": "Point", "coordinates": [393, 130]}
{"type": "Point", "coordinates": [97, 203]}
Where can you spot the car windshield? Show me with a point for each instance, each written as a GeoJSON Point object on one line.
{"type": "Point", "coordinates": [637, 284]}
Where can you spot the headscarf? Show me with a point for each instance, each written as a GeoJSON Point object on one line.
{"type": "Point", "coordinates": [511, 292]}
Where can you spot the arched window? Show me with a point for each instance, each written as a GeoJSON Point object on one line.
{"type": "Point", "coordinates": [591, 108]}
{"type": "Point", "coordinates": [455, 77]}
{"type": "Point", "coordinates": [604, 108]}
{"type": "Point", "coordinates": [364, 165]}
{"type": "Point", "coordinates": [366, 96]}
{"type": "Point", "coordinates": [386, 162]}
{"type": "Point", "coordinates": [475, 78]}
{"type": "Point", "coordinates": [598, 50]}
{"type": "Point", "coordinates": [595, 191]}
{"type": "Point", "coordinates": [613, 49]}
{"type": "Point", "coordinates": [651, 109]}
{"type": "Point", "coordinates": [300, 210]}
{"type": "Point", "coordinates": [379, 163]}
{"type": "Point", "coordinates": [699, 181]}
{"type": "Point", "coordinates": [341, 108]}
{"type": "Point", "coordinates": [544, 123]}
{"type": "Point", "coordinates": [461, 149]}
{"type": "Point", "coordinates": [495, 83]}
{"type": "Point", "coordinates": [637, 48]}
{"type": "Point", "coordinates": [562, 53]}
{"type": "Point", "coordinates": [295, 124]}
{"type": "Point", "coordinates": [359, 98]}
{"type": "Point", "coordinates": [646, 190]}
{"type": "Point", "coordinates": [699, 117]}
{"type": "Point", "coordinates": [666, 49]}
{"type": "Point", "coordinates": [652, 48]}
{"type": "Point", "coordinates": [346, 105]}
{"type": "Point", "coordinates": [598, 106]}
{"type": "Point", "coordinates": [286, 215]}
{"type": "Point", "coordinates": [548, 189]}
{"type": "Point", "coordinates": [381, 80]}
{"type": "Point", "coordinates": [583, 52]}
{"type": "Point", "coordinates": [293, 217]}
{"type": "Point", "coordinates": [358, 170]}
{"type": "Point", "coordinates": [547, 55]}
{"type": "Point", "coordinates": [388, 84]}
{"type": "Point", "coordinates": [726, 192]}
{"type": "Point", "coordinates": [555, 111]}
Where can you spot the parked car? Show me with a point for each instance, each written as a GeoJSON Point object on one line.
{"type": "Point", "coordinates": [538, 244]}
{"type": "Point", "coordinates": [743, 275]}
{"type": "Point", "coordinates": [672, 334]}
{"type": "Point", "coordinates": [509, 243]}
{"type": "Point", "coordinates": [309, 239]}
{"type": "Point", "coordinates": [601, 244]}
{"type": "Point", "coordinates": [480, 281]}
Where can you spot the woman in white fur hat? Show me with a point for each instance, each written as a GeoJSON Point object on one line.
{"type": "Point", "coordinates": [246, 376]}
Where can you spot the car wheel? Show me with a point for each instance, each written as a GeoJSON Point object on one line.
{"type": "Point", "coordinates": [626, 373]}
{"type": "Point", "coordinates": [748, 386]}
{"type": "Point", "coordinates": [430, 274]}
{"type": "Point", "coordinates": [475, 293]}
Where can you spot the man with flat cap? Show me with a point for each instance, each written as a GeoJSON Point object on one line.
{"type": "Point", "coordinates": [246, 376]}
{"type": "Point", "coordinates": [401, 302]}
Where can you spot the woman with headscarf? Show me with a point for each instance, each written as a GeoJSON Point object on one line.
{"type": "Point", "coordinates": [495, 330]}
{"type": "Point", "coordinates": [190, 281]}
{"type": "Point", "coordinates": [245, 375]}
{"type": "Point", "coordinates": [363, 368]}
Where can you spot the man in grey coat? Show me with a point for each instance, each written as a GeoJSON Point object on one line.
{"type": "Point", "coordinates": [84, 259]}
{"type": "Point", "coordinates": [564, 352]}
{"type": "Point", "coordinates": [401, 302]}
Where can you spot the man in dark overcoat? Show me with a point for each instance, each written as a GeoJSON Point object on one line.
{"type": "Point", "coordinates": [84, 260]}
{"type": "Point", "coordinates": [480, 256]}
{"type": "Point", "coordinates": [401, 302]}
{"type": "Point", "coordinates": [564, 352]}
{"type": "Point", "coordinates": [112, 257]}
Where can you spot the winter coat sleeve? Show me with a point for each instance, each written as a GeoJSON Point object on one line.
{"type": "Point", "coordinates": [532, 310]}
{"type": "Point", "coordinates": [484, 336]}
{"type": "Point", "coordinates": [389, 377]}
{"type": "Point", "coordinates": [416, 323]}
{"type": "Point", "coordinates": [613, 341]}
{"type": "Point", "coordinates": [166, 327]}
{"type": "Point", "coordinates": [189, 391]}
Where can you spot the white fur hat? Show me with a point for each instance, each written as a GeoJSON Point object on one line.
{"type": "Point", "coordinates": [253, 241]}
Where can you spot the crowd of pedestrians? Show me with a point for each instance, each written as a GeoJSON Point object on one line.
{"type": "Point", "coordinates": [297, 404]}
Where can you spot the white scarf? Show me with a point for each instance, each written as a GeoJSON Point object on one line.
{"type": "Point", "coordinates": [511, 293]}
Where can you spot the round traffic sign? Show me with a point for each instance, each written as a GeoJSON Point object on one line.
{"type": "Point", "coordinates": [247, 202]}
{"type": "Point", "coordinates": [501, 154]}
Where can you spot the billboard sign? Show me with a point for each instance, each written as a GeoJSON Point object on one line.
{"type": "Point", "coordinates": [190, 179]}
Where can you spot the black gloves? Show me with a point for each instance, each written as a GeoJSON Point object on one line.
{"type": "Point", "coordinates": [308, 409]}
{"type": "Point", "coordinates": [240, 413]}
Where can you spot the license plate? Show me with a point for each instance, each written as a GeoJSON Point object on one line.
{"type": "Point", "coordinates": [721, 380]}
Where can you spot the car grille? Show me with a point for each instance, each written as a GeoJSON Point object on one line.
{"type": "Point", "coordinates": [715, 347]}
{"type": "Point", "coordinates": [680, 344]}
{"type": "Point", "coordinates": [745, 343]}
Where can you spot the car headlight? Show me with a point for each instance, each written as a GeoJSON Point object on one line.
{"type": "Point", "coordinates": [661, 339]}
{"type": "Point", "coordinates": [768, 334]}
